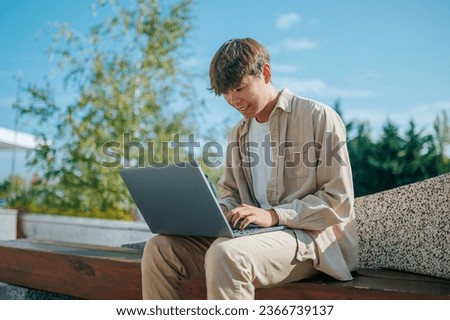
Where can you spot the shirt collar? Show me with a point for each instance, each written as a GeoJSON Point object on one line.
{"type": "Point", "coordinates": [284, 101]}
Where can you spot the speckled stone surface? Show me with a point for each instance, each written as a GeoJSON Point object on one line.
{"type": "Point", "coordinates": [12, 292]}
{"type": "Point", "coordinates": [407, 228]}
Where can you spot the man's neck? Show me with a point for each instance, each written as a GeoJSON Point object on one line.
{"type": "Point", "coordinates": [264, 115]}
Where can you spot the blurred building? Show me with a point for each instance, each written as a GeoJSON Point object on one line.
{"type": "Point", "coordinates": [13, 148]}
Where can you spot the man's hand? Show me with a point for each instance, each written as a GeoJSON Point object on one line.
{"type": "Point", "coordinates": [249, 214]}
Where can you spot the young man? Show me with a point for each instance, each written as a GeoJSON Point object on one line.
{"type": "Point", "coordinates": [287, 164]}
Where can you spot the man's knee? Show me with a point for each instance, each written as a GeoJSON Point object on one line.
{"type": "Point", "coordinates": [223, 253]}
{"type": "Point", "coordinates": [157, 247]}
{"type": "Point", "coordinates": [153, 244]}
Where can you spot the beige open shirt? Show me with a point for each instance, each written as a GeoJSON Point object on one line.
{"type": "Point", "coordinates": [310, 186]}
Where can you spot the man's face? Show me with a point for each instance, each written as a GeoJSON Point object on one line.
{"type": "Point", "coordinates": [250, 97]}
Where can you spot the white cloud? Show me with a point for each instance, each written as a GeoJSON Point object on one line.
{"type": "Point", "coordinates": [290, 44]}
{"type": "Point", "coordinates": [285, 68]}
{"type": "Point", "coordinates": [298, 44]}
{"type": "Point", "coordinates": [192, 62]}
{"type": "Point", "coordinates": [423, 116]}
{"type": "Point", "coordinates": [287, 21]}
{"type": "Point", "coordinates": [318, 88]}
{"type": "Point", "coordinates": [432, 107]}
{"type": "Point", "coordinates": [364, 78]}
{"type": "Point", "coordinates": [7, 101]}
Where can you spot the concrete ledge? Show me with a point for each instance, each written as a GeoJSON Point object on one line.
{"type": "Point", "coordinates": [84, 230]}
{"type": "Point", "coordinates": [8, 224]}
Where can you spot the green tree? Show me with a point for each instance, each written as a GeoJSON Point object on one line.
{"type": "Point", "coordinates": [361, 149]}
{"type": "Point", "coordinates": [418, 157]}
{"type": "Point", "coordinates": [128, 88]}
{"type": "Point", "coordinates": [395, 159]}
{"type": "Point", "coordinates": [385, 160]}
{"type": "Point", "coordinates": [441, 141]}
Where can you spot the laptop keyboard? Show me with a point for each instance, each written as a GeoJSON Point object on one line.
{"type": "Point", "coordinates": [246, 232]}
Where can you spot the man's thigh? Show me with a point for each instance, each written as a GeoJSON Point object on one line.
{"type": "Point", "coordinates": [184, 254]}
{"type": "Point", "coordinates": [270, 257]}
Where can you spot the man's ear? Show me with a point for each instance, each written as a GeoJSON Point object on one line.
{"type": "Point", "coordinates": [267, 73]}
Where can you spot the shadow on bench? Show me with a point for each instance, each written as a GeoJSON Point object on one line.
{"type": "Point", "coordinates": [97, 272]}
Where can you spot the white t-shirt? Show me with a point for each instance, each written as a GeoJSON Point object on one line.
{"type": "Point", "coordinates": [261, 154]}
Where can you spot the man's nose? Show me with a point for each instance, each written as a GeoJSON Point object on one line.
{"type": "Point", "coordinates": [234, 99]}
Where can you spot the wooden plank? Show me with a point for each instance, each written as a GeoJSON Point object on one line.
{"type": "Point", "coordinates": [366, 285]}
{"type": "Point", "coordinates": [90, 273]}
{"type": "Point", "coordinates": [403, 282]}
{"type": "Point", "coordinates": [97, 272]}
{"type": "Point", "coordinates": [117, 253]}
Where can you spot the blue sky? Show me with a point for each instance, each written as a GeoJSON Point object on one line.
{"type": "Point", "coordinates": [382, 59]}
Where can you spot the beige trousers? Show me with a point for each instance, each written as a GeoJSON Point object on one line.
{"type": "Point", "coordinates": [233, 268]}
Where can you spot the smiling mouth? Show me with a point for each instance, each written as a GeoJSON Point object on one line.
{"type": "Point", "coordinates": [242, 109]}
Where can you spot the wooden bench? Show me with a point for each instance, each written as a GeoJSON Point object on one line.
{"type": "Point", "coordinates": [97, 272]}
{"type": "Point", "coordinates": [82, 271]}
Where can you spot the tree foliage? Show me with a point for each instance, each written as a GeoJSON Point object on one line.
{"type": "Point", "coordinates": [126, 80]}
{"type": "Point", "coordinates": [396, 159]}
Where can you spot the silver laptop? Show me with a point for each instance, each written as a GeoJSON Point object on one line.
{"type": "Point", "coordinates": [178, 200]}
